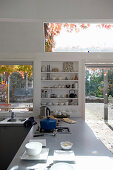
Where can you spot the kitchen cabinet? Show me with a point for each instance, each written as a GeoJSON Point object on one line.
{"type": "Point", "coordinates": [11, 137]}
{"type": "Point", "coordinates": [60, 85]}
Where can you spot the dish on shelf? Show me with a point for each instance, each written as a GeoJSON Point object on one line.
{"type": "Point", "coordinates": [61, 104]}
{"type": "Point", "coordinates": [49, 103]}
{"type": "Point", "coordinates": [43, 78]}
{"type": "Point", "coordinates": [53, 78]}
{"type": "Point", "coordinates": [60, 78]}
{"type": "Point", "coordinates": [59, 86]}
{"type": "Point", "coordinates": [44, 104]}
{"type": "Point", "coordinates": [43, 68]}
{"type": "Point", "coordinates": [66, 103]}
{"type": "Point", "coordinates": [68, 86]}
{"type": "Point", "coordinates": [55, 70]}
{"type": "Point", "coordinates": [56, 104]}
{"type": "Point", "coordinates": [53, 96]}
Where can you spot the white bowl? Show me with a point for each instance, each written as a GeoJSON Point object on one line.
{"type": "Point", "coordinates": [33, 148]}
{"type": "Point", "coordinates": [49, 103]}
{"type": "Point", "coordinates": [61, 104]}
{"type": "Point", "coordinates": [43, 78]}
{"type": "Point", "coordinates": [53, 78]}
{"type": "Point", "coordinates": [60, 78]}
{"type": "Point", "coordinates": [66, 145]}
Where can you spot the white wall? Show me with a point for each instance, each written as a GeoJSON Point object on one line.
{"type": "Point", "coordinates": [21, 31]}
{"type": "Point", "coordinates": [56, 9]}
{"type": "Point", "coordinates": [21, 21]}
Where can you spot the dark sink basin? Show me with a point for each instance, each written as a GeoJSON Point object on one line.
{"type": "Point", "coordinates": [16, 120]}
{"type": "Point", "coordinates": [21, 120]}
{"type": "Point", "coordinates": [11, 120]}
{"type": "Point", "coordinates": [1, 119]}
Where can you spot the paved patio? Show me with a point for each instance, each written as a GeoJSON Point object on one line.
{"type": "Point", "coordinates": [94, 118]}
{"type": "Point", "coordinates": [95, 111]}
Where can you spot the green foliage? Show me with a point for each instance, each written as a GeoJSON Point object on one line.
{"type": "Point", "coordinates": [95, 82]}
{"type": "Point", "coordinates": [15, 79]}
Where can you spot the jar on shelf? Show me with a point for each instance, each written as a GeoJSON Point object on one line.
{"type": "Point", "coordinates": [43, 68]}
{"type": "Point", "coordinates": [76, 77]}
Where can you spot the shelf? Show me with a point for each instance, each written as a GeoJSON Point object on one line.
{"type": "Point", "coordinates": [59, 98]}
{"type": "Point", "coordinates": [59, 76]}
{"type": "Point", "coordinates": [59, 88]}
{"type": "Point", "coordinates": [59, 80]}
{"type": "Point", "coordinates": [59, 105]}
{"type": "Point", "coordinates": [60, 72]}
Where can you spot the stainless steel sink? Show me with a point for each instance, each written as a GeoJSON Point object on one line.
{"type": "Point", "coordinates": [11, 120]}
{"type": "Point", "coordinates": [22, 120]}
{"type": "Point", "coordinates": [1, 119]}
{"type": "Point", "coordinates": [15, 120]}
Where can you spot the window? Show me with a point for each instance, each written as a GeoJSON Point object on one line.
{"type": "Point", "coordinates": [78, 37]}
{"type": "Point", "coordinates": [16, 87]}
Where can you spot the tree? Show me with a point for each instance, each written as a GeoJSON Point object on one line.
{"type": "Point", "coordinates": [15, 80]}
{"type": "Point", "coordinates": [7, 70]}
{"type": "Point", "coordinates": [54, 29]}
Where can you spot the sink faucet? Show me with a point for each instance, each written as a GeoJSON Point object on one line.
{"type": "Point", "coordinates": [12, 114]}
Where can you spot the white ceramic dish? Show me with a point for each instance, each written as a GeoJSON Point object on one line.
{"type": "Point", "coordinates": [53, 78]}
{"type": "Point", "coordinates": [61, 104]}
{"type": "Point", "coordinates": [66, 145]}
{"type": "Point", "coordinates": [60, 78]}
{"type": "Point", "coordinates": [49, 104]}
{"type": "Point", "coordinates": [60, 166]}
{"type": "Point", "coordinates": [42, 156]}
{"type": "Point", "coordinates": [43, 78]}
{"type": "Point", "coordinates": [67, 156]}
{"type": "Point", "coordinates": [33, 148]}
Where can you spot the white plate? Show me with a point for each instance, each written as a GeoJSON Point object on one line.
{"type": "Point", "coordinates": [61, 166]}
{"type": "Point", "coordinates": [43, 141]}
{"type": "Point", "coordinates": [42, 156]}
{"type": "Point", "coordinates": [67, 156]}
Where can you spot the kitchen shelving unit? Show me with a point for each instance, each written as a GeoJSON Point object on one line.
{"type": "Point", "coordinates": [56, 86]}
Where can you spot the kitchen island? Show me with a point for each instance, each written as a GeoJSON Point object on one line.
{"type": "Point", "coordinates": [90, 152]}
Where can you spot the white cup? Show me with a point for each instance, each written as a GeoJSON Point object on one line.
{"type": "Point", "coordinates": [66, 103]}
{"type": "Point", "coordinates": [48, 95]}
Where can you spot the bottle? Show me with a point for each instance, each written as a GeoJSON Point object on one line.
{"type": "Point", "coordinates": [76, 78]}
{"type": "Point", "coordinates": [46, 94]}
{"type": "Point", "coordinates": [48, 68]}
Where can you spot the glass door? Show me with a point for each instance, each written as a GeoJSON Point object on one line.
{"type": "Point", "coordinates": [99, 91]}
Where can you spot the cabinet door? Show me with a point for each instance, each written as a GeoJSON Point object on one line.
{"type": "Point", "coordinates": [10, 140]}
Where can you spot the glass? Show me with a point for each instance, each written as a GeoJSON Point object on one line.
{"type": "Point", "coordinates": [16, 87]}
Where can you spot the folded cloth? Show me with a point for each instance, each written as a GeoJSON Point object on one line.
{"type": "Point", "coordinates": [30, 122]}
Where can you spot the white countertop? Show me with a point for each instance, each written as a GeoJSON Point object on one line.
{"type": "Point", "coordinates": [90, 152]}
